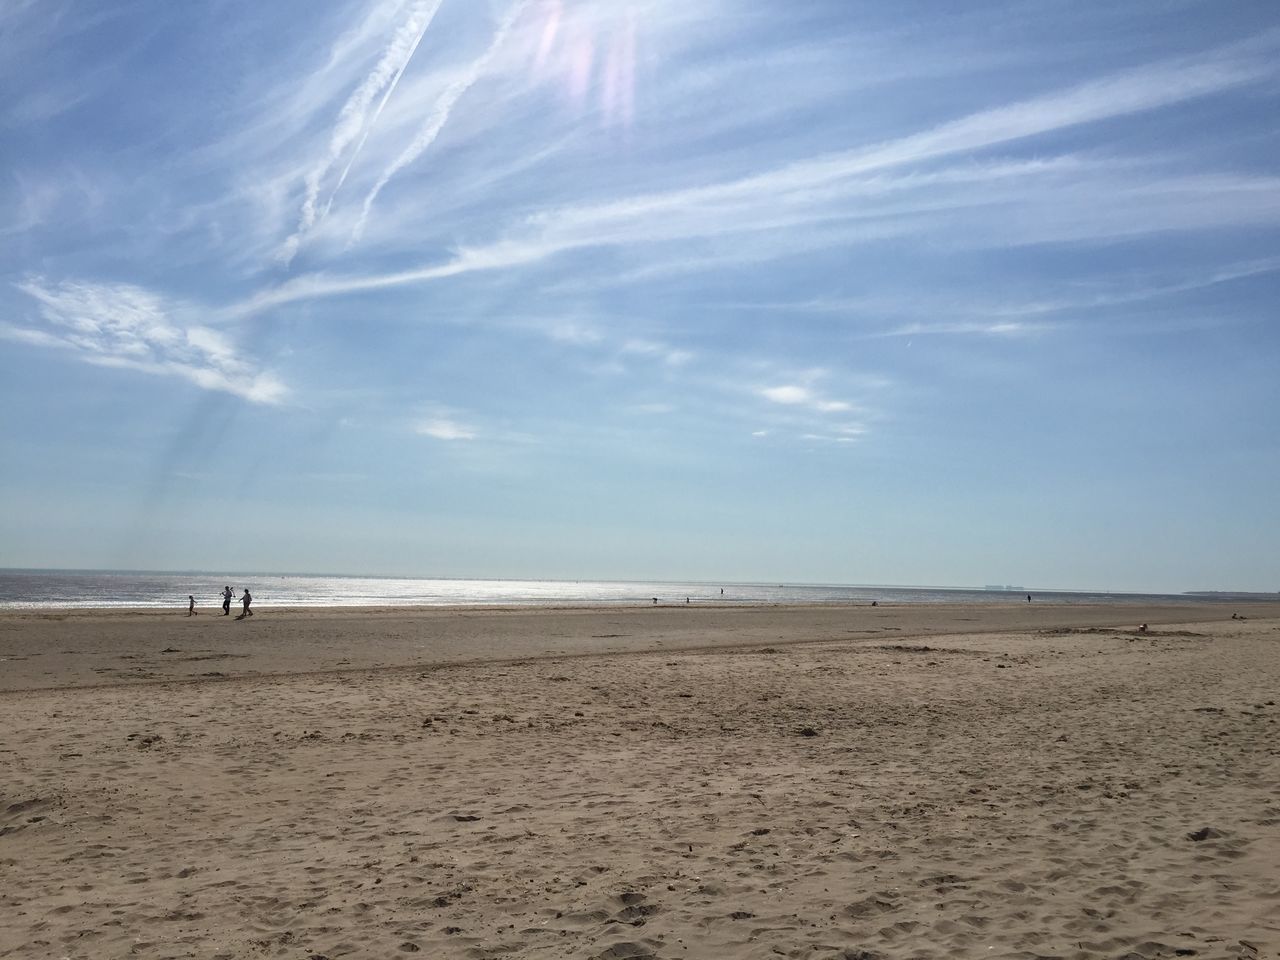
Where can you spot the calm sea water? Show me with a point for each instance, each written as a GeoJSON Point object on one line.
{"type": "Point", "coordinates": [27, 589]}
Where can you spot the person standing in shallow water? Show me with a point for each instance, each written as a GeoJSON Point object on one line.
{"type": "Point", "coordinates": [226, 601]}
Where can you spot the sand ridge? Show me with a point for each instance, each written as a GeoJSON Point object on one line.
{"type": "Point", "coordinates": [1064, 791]}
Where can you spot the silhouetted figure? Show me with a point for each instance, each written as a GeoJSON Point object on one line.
{"type": "Point", "coordinates": [191, 605]}
{"type": "Point", "coordinates": [1028, 598]}
{"type": "Point", "coordinates": [226, 601]}
{"type": "Point", "coordinates": [246, 600]}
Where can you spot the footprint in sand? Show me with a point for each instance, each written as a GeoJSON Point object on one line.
{"type": "Point", "coordinates": [627, 950]}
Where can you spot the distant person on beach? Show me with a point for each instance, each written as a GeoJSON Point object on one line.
{"type": "Point", "coordinates": [191, 605]}
{"type": "Point", "coordinates": [1028, 598]}
{"type": "Point", "coordinates": [226, 601]}
{"type": "Point", "coordinates": [246, 600]}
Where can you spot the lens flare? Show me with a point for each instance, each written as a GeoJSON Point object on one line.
{"type": "Point", "coordinates": [590, 55]}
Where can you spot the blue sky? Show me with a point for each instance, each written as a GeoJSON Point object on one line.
{"type": "Point", "coordinates": [846, 292]}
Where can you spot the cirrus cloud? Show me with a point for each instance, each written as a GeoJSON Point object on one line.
{"type": "Point", "coordinates": [797, 395]}
{"type": "Point", "coordinates": [445, 428]}
{"type": "Point", "coordinates": [129, 327]}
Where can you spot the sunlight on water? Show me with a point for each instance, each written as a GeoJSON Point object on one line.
{"type": "Point", "coordinates": [27, 589]}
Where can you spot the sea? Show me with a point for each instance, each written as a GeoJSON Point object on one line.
{"type": "Point", "coordinates": [61, 589]}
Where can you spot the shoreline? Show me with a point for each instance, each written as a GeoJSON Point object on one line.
{"type": "Point", "coordinates": [1059, 599]}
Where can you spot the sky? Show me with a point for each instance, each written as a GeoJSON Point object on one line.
{"type": "Point", "coordinates": [839, 291]}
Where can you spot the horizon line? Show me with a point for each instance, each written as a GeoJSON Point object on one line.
{"type": "Point", "coordinates": [987, 588]}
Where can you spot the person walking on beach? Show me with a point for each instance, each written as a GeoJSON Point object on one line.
{"type": "Point", "coordinates": [226, 601]}
{"type": "Point", "coordinates": [191, 605]}
{"type": "Point", "coordinates": [246, 600]}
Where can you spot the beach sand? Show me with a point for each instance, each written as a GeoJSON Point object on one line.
{"type": "Point", "coordinates": [1021, 781]}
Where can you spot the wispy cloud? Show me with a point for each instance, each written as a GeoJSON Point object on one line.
{"type": "Point", "coordinates": [126, 326]}
{"type": "Point", "coordinates": [599, 337]}
{"type": "Point", "coordinates": [839, 435]}
{"type": "Point", "coordinates": [977, 313]}
{"type": "Point", "coordinates": [1001, 328]}
{"type": "Point", "coordinates": [32, 33]}
{"type": "Point", "coordinates": [569, 331]}
{"type": "Point", "coordinates": [40, 198]}
{"type": "Point", "coordinates": [671, 356]}
{"type": "Point", "coordinates": [356, 120]}
{"type": "Point", "coordinates": [828, 188]}
{"type": "Point", "coordinates": [800, 395]}
{"type": "Point", "coordinates": [796, 407]}
{"type": "Point", "coordinates": [445, 428]}
{"type": "Point", "coordinates": [439, 116]}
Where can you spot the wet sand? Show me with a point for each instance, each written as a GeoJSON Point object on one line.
{"type": "Point", "coordinates": [89, 647]}
{"type": "Point", "coordinates": [825, 782]}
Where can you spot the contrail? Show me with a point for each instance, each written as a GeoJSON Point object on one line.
{"type": "Point", "coordinates": [353, 118]}
{"type": "Point", "coordinates": [439, 116]}
{"type": "Point", "coordinates": [391, 87]}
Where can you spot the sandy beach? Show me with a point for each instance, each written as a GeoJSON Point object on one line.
{"type": "Point", "coordinates": [1020, 781]}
